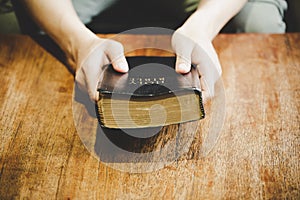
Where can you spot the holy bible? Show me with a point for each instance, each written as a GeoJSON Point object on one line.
{"type": "Point", "coordinates": [151, 94]}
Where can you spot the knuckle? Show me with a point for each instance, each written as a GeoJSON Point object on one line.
{"type": "Point", "coordinates": [92, 95]}
{"type": "Point", "coordinates": [114, 45]}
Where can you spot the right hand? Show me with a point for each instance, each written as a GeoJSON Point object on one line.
{"type": "Point", "coordinates": [90, 60]}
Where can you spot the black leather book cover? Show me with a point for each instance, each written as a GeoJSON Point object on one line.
{"type": "Point", "coordinates": [148, 77]}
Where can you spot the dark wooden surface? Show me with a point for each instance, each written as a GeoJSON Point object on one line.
{"type": "Point", "coordinates": [256, 154]}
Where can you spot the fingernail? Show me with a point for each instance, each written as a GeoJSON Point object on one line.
{"type": "Point", "coordinates": [123, 66]}
{"type": "Point", "coordinates": [183, 67]}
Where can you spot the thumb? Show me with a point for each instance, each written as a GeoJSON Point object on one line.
{"type": "Point", "coordinates": [183, 64]}
{"type": "Point", "coordinates": [115, 52]}
{"type": "Point", "coordinates": [183, 48]}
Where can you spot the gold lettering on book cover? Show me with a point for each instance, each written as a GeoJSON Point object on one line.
{"type": "Point", "coordinates": [146, 80]}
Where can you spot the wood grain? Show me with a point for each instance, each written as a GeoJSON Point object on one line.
{"type": "Point", "coordinates": [256, 155]}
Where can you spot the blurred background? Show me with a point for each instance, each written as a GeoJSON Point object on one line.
{"type": "Point", "coordinates": [292, 16]}
{"type": "Point", "coordinates": [9, 23]}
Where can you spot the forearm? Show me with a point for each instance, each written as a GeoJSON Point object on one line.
{"type": "Point", "coordinates": [59, 20]}
{"type": "Point", "coordinates": [212, 15]}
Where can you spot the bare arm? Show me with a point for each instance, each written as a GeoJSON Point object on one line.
{"type": "Point", "coordinates": [212, 15]}
{"type": "Point", "coordinates": [84, 50]}
{"type": "Point", "coordinates": [192, 42]}
{"type": "Point", "coordinates": [59, 20]}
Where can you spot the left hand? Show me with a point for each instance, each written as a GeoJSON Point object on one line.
{"type": "Point", "coordinates": [193, 47]}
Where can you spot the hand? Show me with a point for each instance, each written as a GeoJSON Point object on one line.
{"type": "Point", "coordinates": [92, 58]}
{"type": "Point", "coordinates": [193, 47]}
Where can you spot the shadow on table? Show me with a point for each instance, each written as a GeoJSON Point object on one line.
{"type": "Point", "coordinates": [141, 145]}
{"type": "Point", "coordinates": [147, 148]}
{"type": "Point", "coordinates": [51, 47]}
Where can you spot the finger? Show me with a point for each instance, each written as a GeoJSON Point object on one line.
{"type": "Point", "coordinates": [92, 78]}
{"type": "Point", "coordinates": [86, 86]}
{"type": "Point", "coordinates": [90, 73]}
{"type": "Point", "coordinates": [205, 97]}
{"type": "Point", "coordinates": [205, 55]}
{"type": "Point", "coordinates": [183, 64]}
{"type": "Point", "coordinates": [183, 48]}
{"type": "Point", "coordinates": [80, 80]}
{"type": "Point", "coordinates": [115, 52]}
{"type": "Point", "coordinates": [207, 87]}
{"type": "Point", "coordinates": [208, 67]}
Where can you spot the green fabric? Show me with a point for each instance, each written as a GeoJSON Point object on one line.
{"type": "Point", "coordinates": [190, 5]}
{"type": "Point", "coordinates": [8, 20]}
{"type": "Point", "coordinates": [261, 16]}
{"type": "Point", "coordinates": [5, 6]}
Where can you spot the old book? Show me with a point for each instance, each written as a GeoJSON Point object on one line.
{"type": "Point", "coordinates": [151, 94]}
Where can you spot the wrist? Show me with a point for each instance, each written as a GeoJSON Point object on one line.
{"type": "Point", "coordinates": [198, 27]}
{"type": "Point", "coordinates": [73, 37]}
{"type": "Point", "coordinates": [212, 15]}
{"type": "Point", "coordinates": [79, 44]}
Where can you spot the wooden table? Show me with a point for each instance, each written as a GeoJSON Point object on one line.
{"type": "Point", "coordinates": [255, 157]}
